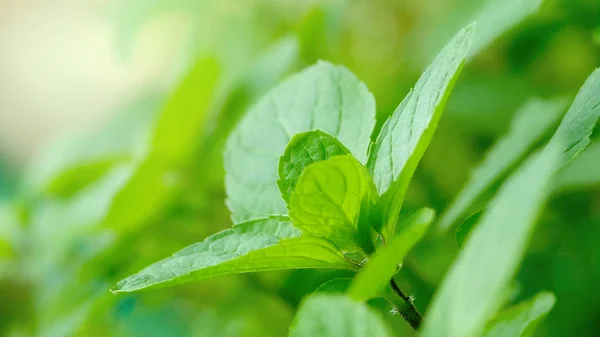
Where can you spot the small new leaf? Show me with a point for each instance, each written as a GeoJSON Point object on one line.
{"type": "Point", "coordinates": [407, 133]}
{"type": "Point", "coordinates": [260, 245]}
{"type": "Point", "coordinates": [324, 97]}
{"type": "Point", "coordinates": [474, 287]}
{"type": "Point", "coordinates": [333, 199]}
{"type": "Point", "coordinates": [327, 315]}
{"type": "Point", "coordinates": [305, 149]}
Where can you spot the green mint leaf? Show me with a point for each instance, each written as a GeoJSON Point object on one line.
{"type": "Point", "coordinates": [530, 124]}
{"type": "Point", "coordinates": [264, 244]}
{"type": "Point", "coordinates": [582, 173]}
{"type": "Point", "coordinates": [574, 131]}
{"type": "Point", "coordinates": [182, 120]}
{"type": "Point", "coordinates": [407, 133]}
{"type": "Point", "coordinates": [332, 199]}
{"type": "Point", "coordinates": [474, 287]}
{"type": "Point", "coordinates": [522, 319]}
{"type": "Point", "coordinates": [372, 281]}
{"type": "Point", "coordinates": [305, 149]}
{"type": "Point", "coordinates": [324, 97]}
{"type": "Point", "coordinates": [179, 125]}
{"type": "Point", "coordinates": [326, 315]}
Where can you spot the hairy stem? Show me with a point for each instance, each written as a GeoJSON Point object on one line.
{"type": "Point", "coordinates": [408, 311]}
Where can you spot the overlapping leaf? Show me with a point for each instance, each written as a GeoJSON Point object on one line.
{"type": "Point", "coordinates": [531, 123]}
{"type": "Point", "coordinates": [522, 319]}
{"type": "Point", "coordinates": [333, 199]}
{"type": "Point", "coordinates": [474, 287]}
{"type": "Point", "coordinates": [305, 149]}
{"type": "Point", "coordinates": [324, 97]}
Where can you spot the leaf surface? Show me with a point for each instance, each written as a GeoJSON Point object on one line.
{"type": "Point", "coordinates": [474, 287]}
{"type": "Point", "coordinates": [305, 149]}
{"type": "Point", "coordinates": [327, 315]}
{"type": "Point", "coordinates": [333, 199]}
{"type": "Point", "coordinates": [574, 131]}
{"type": "Point", "coordinates": [407, 133]}
{"type": "Point", "coordinates": [260, 245]}
{"type": "Point", "coordinates": [324, 97]}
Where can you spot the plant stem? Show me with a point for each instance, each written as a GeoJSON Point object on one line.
{"type": "Point", "coordinates": [409, 312]}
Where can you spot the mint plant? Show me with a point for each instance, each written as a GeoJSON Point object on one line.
{"type": "Point", "coordinates": [307, 188]}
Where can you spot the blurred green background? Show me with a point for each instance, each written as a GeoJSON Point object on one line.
{"type": "Point", "coordinates": [113, 116]}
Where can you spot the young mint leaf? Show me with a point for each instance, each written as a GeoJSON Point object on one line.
{"type": "Point", "coordinates": [583, 172]}
{"type": "Point", "coordinates": [305, 149]}
{"type": "Point", "coordinates": [332, 199]}
{"type": "Point", "coordinates": [264, 244]}
{"type": "Point", "coordinates": [522, 319]}
{"type": "Point", "coordinates": [327, 315]}
{"type": "Point", "coordinates": [573, 133]}
{"type": "Point", "coordinates": [473, 288]}
{"type": "Point", "coordinates": [325, 97]}
{"type": "Point", "coordinates": [371, 281]}
{"type": "Point", "coordinates": [530, 124]}
{"type": "Point", "coordinates": [407, 133]}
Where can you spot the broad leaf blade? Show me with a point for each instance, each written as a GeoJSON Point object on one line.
{"type": "Point", "coordinates": [331, 200]}
{"type": "Point", "coordinates": [265, 244]}
{"type": "Point", "coordinates": [324, 97]}
{"type": "Point", "coordinates": [372, 280]}
{"type": "Point", "coordinates": [522, 319]}
{"type": "Point", "coordinates": [473, 288]}
{"type": "Point", "coordinates": [573, 133]}
{"type": "Point", "coordinates": [531, 123]}
{"type": "Point", "coordinates": [305, 149]}
{"type": "Point", "coordinates": [337, 316]}
{"type": "Point", "coordinates": [407, 133]}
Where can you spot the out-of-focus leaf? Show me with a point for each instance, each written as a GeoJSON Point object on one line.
{"type": "Point", "coordinates": [336, 316]}
{"type": "Point", "coordinates": [530, 124]}
{"type": "Point", "coordinates": [473, 288]}
{"type": "Point", "coordinates": [305, 149]}
{"type": "Point", "coordinates": [333, 199]}
{"type": "Point", "coordinates": [303, 102]}
{"type": "Point", "coordinates": [177, 133]}
{"type": "Point", "coordinates": [182, 120]}
{"type": "Point", "coordinates": [582, 173]}
{"type": "Point", "coordinates": [496, 17]}
{"type": "Point", "coordinates": [574, 131]}
{"type": "Point", "coordinates": [406, 135]}
{"type": "Point", "coordinates": [522, 319]}
{"type": "Point", "coordinates": [264, 244]}
{"type": "Point", "coordinates": [70, 164]}
{"type": "Point", "coordinates": [372, 280]}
